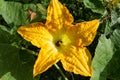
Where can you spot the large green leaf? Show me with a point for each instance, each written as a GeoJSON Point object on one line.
{"type": "Point", "coordinates": [103, 55]}
{"type": "Point", "coordinates": [13, 66]}
{"type": "Point", "coordinates": [95, 6]}
{"type": "Point", "coordinates": [14, 13]}
{"type": "Point", "coordinates": [113, 67]}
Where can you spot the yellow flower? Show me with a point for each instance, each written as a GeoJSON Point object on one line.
{"type": "Point", "coordinates": [60, 40]}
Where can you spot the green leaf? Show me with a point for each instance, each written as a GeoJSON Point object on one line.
{"type": "Point", "coordinates": [1, 6]}
{"type": "Point", "coordinates": [4, 28]}
{"type": "Point", "coordinates": [116, 38]}
{"type": "Point", "coordinates": [113, 67]}
{"type": "Point", "coordinates": [13, 66]}
{"type": "Point", "coordinates": [108, 30]}
{"type": "Point", "coordinates": [5, 36]}
{"type": "Point", "coordinates": [114, 17]}
{"type": "Point", "coordinates": [42, 10]}
{"type": "Point", "coordinates": [7, 76]}
{"type": "Point", "coordinates": [118, 20]}
{"type": "Point", "coordinates": [103, 55]}
{"type": "Point", "coordinates": [14, 13]}
{"type": "Point", "coordinates": [95, 6]}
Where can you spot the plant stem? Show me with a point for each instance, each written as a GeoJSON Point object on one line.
{"type": "Point", "coordinates": [58, 68]}
{"type": "Point", "coordinates": [30, 51]}
{"type": "Point", "coordinates": [72, 76]}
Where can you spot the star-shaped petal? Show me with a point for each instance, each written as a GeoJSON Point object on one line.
{"type": "Point", "coordinates": [60, 40]}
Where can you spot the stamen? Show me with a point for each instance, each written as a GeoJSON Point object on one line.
{"type": "Point", "coordinates": [58, 43]}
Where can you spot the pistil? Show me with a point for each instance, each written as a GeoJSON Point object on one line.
{"type": "Point", "coordinates": [58, 43]}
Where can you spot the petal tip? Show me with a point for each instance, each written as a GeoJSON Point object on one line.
{"type": "Point", "coordinates": [97, 21]}
{"type": "Point", "coordinates": [35, 72]}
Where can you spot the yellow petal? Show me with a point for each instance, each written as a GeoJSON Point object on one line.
{"type": "Point", "coordinates": [35, 33]}
{"type": "Point", "coordinates": [77, 60]}
{"type": "Point", "coordinates": [86, 32]}
{"type": "Point", "coordinates": [47, 57]}
{"type": "Point", "coordinates": [57, 15]}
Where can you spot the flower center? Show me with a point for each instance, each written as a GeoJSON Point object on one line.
{"type": "Point", "coordinates": [58, 43]}
{"type": "Point", "coordinates": [61, 40]}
